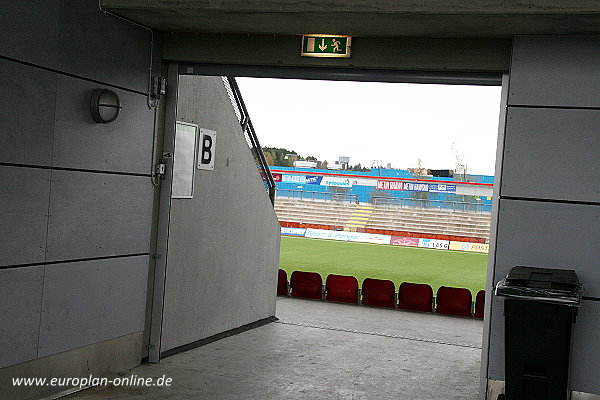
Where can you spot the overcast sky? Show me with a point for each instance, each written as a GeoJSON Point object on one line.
{"type": "Point", "coordinates": [396, 123]}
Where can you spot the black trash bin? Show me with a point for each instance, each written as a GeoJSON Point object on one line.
{"type": "Point", "coordinates": [539, 311]}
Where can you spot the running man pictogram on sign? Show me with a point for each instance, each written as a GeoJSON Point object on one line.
{"type": "Point", "coordinates": [336, 45]}
{"type": "Point", "coordinates": [326, 46]}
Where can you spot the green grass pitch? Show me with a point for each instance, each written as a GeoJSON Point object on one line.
{"type": "Point", "coordinates": [396, 263]}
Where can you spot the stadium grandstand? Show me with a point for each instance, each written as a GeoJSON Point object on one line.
{"type": "Point", "coordinates": [385, 201]}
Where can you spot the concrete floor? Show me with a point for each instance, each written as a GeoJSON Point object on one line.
{"type": "Point", "coordinates": [324, 350]}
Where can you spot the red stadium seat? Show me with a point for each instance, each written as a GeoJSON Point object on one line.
{"type": "Point", "coordinates": [282, 283]}
{"type": "Point", "coordinates": [342, 288]}
{"type": "Point", "coordinates": [415, 296]}
{"type": "Point", "coordinates": [454, 301]}
{"type": "Point", "coordinates": [308, 285]}
{"type": "Point", "coordinates": [378, 292]}
{"type": "Point", "coordinates": [479, 304]}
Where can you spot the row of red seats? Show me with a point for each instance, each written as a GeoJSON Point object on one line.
{"type": "Point", "coordinates": [381, 293]}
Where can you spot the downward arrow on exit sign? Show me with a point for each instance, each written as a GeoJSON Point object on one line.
{"type": "Point", "coordinates": [326, 46]}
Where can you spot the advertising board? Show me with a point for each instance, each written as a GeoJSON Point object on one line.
{"type": "Point", "coordinates": [405, 241]}
{"type": "Point", "coordinates": [467, 246]}
{"type": "Point", "coordinates": [292, 231]}
{"type": "Point", "coordinates": [434, 244]}
{"type": "Point", "coordinates": [348, 236]}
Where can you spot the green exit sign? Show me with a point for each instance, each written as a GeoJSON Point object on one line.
{"type": "Point", "coordinates": [326, 46]}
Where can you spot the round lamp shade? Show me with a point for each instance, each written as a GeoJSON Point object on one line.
{"type": "Point", "coordinates": [105, 106]}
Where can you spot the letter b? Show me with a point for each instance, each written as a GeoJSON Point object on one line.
{"type": "Point", "coordinates": [206, 149]}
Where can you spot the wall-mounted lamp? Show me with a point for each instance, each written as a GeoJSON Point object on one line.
{"type": "Point", "coordinates": [105, 106]}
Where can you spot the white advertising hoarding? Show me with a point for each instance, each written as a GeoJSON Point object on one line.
{"type": "Point", "coordinates": [434, 244]}
{"type": "Point", "coordinates": [348, 236]}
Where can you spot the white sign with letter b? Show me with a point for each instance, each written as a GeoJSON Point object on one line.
{"type": "Point", "coordinates": [206, 149]}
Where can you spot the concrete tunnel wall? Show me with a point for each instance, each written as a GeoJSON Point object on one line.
{"type": "Point", "coordinates": [224, 242]}
{"type": "Point", "coordinates": [549, 206]}
{"type": "Point", "coordinates": [78, 204]}
{"type": "Point", "coordinates": [76, 195]}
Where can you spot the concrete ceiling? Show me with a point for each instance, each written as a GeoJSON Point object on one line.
{"type": "Point", "coordinates": [414, 18]}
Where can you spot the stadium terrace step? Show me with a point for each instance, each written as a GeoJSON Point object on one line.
{"type": "Point", "coordinates": [432, 215]}
{"type": "Point", "coordinates": [433, 212]}
{"type": "Point", "coordinates": [448, 232]}
{"type": "Point", "coordinates": [451, 226]}
{"type": "Point", "coordinates": [353, 217]}
{"type": "Point", "coordinates": [457, 223]}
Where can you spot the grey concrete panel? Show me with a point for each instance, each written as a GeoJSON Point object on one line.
{"type": "Point", "coordinates": [24, 196]}
{"type": "Point", "coordinates": [157, 59]}
{"type": "Point", "coordinates": [92, 301]}
{"type": "Point", "coordinates": [555, 71]}
{"type": "Point", "coordinates": [124, 145]}
{"type": "Point", "coordinates": [27, 114]}
{"type": "Point", "coordinates": [550, 235]}
{"type": "Point", "coordinates": [585, 375]}
{"type": "Point", "coordinates": [102, 47]}
{"type": "Point", "coordinates": [223, 246]}
{"type": "Point", "coordinates": [29, 31]}
{"type": "Point", "coordinates": [103, 359]}
{"type": "Point", "coordinates": [456, 18]}
{"type": "Point", "coordinates": [20, 308]}
{"type": "Point", "coordinates": [95, 215]}
{"type": "Point", "coordinates": [552, 154]}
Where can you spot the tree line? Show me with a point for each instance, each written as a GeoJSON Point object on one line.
{"type": "Point", "coordinates": [282, 157]}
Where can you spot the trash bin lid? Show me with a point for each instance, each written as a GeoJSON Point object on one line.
{"type": "Point", "coordinates": [545, 278]}
{"type": "Point", "coordinates": [541, 284]}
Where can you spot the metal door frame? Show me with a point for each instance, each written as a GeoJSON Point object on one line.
{"type": "Point", "coordinates": [321, 73]}
{"type": "Point", "coordinates": [164, 217]}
